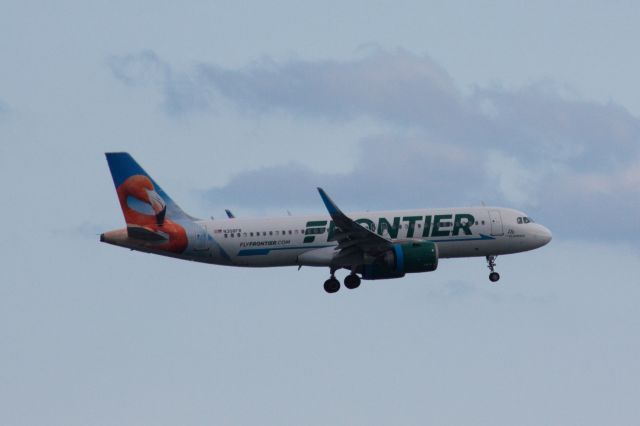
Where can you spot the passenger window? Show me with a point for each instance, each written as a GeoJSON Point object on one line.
{"type": "Point", "coordinates": [225, 235]}
{"type": "Point", "coordinates": [289, 231]}
{"type": "Point", "coordinates": [270, 232]}
{"type": "Point", "coordinates": [520, 221]}
{"type": "Point", "coordinates": [238, 235]}
{"type": "Point", "coordinates": [483, 222]}
{"type": "Point", "coordinates": [264, 233]}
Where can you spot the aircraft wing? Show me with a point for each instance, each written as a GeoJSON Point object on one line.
{"type": "Point", "coordinates": [351, 235]}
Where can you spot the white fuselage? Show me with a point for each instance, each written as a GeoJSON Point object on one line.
{"type": "Point", "coordinates": [284, 241]}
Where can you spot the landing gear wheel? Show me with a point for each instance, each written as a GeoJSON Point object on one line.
{"type": "Point", "coordinates": [331, 285]}
{"type": "Point", "coordinates": [352, 281]}
{"type": "Point", "coordinates": [491, 264]}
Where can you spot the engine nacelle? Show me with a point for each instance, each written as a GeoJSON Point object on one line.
{"type": "Point", "coordinates": [418, 256]}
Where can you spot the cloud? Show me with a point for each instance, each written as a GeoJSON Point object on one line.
{"type": "Point", "coordinates": [392, 86]}
{"type": "Point", "coordinates": [390, 172]}
{"type": "Point", "coordinates": [513, 179]}
{"type": "Point", "coordinates": [539, 147]}
{"type": "Point", "coordinates": [405, 90]}
{"type": "Point", "coordinates": [538, 122]}
{"type": "Point", "coordinates": [181, 94]}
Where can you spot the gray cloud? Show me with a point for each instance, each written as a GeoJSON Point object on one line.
{"type": "Point", "coordinates": [539, 147]}
{"type": "Point", "coordinates": [396, 173]}
{"type": "Point", "coordinates": [538, 122]}
{"type": "Point", "coordinates": [385, 164]}
{"type": "Point", "coordinates": [406, 90]}
{"type": "Point", "coordinates": [393, 86]}
{"type": "Point", "coordinates": [180, 92]}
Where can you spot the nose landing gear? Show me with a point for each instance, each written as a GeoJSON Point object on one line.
{"type": "Point", "coordinates": [491, 264]}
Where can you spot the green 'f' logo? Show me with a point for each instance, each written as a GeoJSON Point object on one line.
{"type": "Point", "coordinates": [315, 227]}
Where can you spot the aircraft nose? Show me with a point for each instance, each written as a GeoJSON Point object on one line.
{"type": "Point", "coordinates": [543, 235]}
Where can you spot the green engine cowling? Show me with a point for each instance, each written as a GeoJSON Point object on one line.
{"type": "Point", "coordinates": [418, 256]}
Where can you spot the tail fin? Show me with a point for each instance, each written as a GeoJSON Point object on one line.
{"type": "Point", "coordinates": [142, 200]}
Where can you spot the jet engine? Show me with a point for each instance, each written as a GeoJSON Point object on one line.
{"type": "Point", "coordinates": [415, 256]}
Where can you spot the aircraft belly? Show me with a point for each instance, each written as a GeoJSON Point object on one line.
{"type": "Point", "coordinates": [459, 249]}
{"type": "Point", "coordinates": [286, 257]}
{"type": "Point", "coordinates": [455, 248]}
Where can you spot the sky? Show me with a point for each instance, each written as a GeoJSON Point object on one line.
{"type": "Point", "coordinates": [251, 106]}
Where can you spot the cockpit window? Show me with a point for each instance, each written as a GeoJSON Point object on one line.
{"type": "Point", "coordinates": [521, 220]}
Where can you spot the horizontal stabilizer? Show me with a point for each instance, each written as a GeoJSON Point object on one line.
{"type": "Point", "coordinates": [140, 233]}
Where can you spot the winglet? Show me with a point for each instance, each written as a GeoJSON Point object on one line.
{"type": "Point", "coordinates": [229, 214]}
{"type": "Point", "coordinates": [328, 202]}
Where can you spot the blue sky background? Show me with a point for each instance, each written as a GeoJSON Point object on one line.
{"type": "Point", "coordinates": [251, 106]}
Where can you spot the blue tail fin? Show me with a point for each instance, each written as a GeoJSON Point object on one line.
{"type": "Point", "coordinates": [142, 200]}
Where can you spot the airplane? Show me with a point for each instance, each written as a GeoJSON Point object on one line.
{"type": "Point", "coordinates": [370, 245]}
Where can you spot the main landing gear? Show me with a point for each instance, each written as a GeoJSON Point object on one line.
{"type": "Point", "coordinates": [332, 285]}
{"type": "Point", "coordinates": [352, 281]}
{"type": "Point", "coordinates": [491, 264]}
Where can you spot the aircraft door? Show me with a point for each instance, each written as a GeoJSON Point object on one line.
{"type": "Point", "coordinates": [496, 222]}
